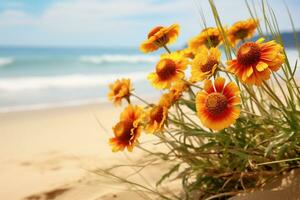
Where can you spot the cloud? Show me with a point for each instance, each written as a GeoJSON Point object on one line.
{"type": "Point", "coordinates": [13, 18]}
{"type": "Point", "coordinates": [232, 11]}
{"type": "Point", "coordinates": [116, 22]}
{"type": "Point", "coordinates": [96, 16]}
{"type": "Point", "coordinates": [113, 21]}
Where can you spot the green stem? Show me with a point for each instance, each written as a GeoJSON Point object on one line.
{"type": "Point", "coordinates": [167, 49]}
{"type": "Point", "coordinates": [281, 89]}
{"type": "Point", "coordinates": [181, 111]}
{"type": "Point", "coordinates": [191, 84]}
{"type": "Point", "coordinates": [250, 113]}
{"type": "Point", "coordinates": [273, 95]}
{"type": "Point", "coordinates": [142, 100]}
{"type": "Point", "coordinates": [278, 161]}
{"type": "Point", "coordinates": [256, 100]}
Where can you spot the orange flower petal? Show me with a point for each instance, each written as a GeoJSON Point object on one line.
{"type": "Point", "coordinates": [219, 84]}
{"type": "Point", "coordinates": [249, 72]}
{"type": "Point", "coordinates": [208, 86]}
{"type": "Point", "coordinates": [147, 47]}
{"type": "Point", "coordinates": [160, 36]}
{"type": "Point", "coordinates": [255, 61]}
{"type": "Point", "coordinates": [261, 66]}
{"type": "Point", "coordinates": [211, 110]}
{"type": "Point", "coordinates": [231, 90]}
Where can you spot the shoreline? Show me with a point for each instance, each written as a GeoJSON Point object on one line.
{"type": "Point", "coordinates": [67, 104]}
{"type": "Point", "coordinates": [46, 106]}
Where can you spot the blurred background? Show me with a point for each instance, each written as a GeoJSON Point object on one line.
{"type": "Point", "coordinates": [65, 52]}
{"type": "Point", "coordinates": [58, 54]}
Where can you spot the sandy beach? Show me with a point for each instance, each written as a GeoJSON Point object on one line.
{"type": "Point", "coordinates": [53, 153]}
{"type": "Point", "coordinates": [47, 154]}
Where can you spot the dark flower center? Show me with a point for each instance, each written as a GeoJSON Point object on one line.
{"type": "Point", "coordinates": [154, 31]}
{"type": "Point", "coordinates": [208, 66]}
{"type": "Point", "coordinates": [117, 89]}
{"type": "Point", "coordinates": [212, 41]}
{"type": "Point", "coordinates": [123, 131]}
{"type": "Point", "coordinates": [216, 103]}
{"type": "Point", "coordinates": [162, 41]}
{"type": "Point", "coordinates": [156, 113]}
{"type": "Point", "coordinates": [165, 69]}
{"type": "Point", "coordinates": [241, 33]}
{"type": "Point", "coordinates": [159, 41]}
{"type": "Point", "coordinates": [248, 54]}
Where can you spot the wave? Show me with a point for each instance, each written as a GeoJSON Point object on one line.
{"type": "Point", "coordinates": [66, 81]}
{"type": "Point", "coordinates": [6, 61]}
{"type": "Point", "coordinates": [118, 59]}
{"type": "Point", "coordinates": [60, 104]}
{"type": "Point", "coordinates": [48, 105]}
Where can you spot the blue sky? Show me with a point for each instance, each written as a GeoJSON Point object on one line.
{"type": "Point", "coordinates": [115, 22]}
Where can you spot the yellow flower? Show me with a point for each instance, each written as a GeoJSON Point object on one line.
{"type": "Point", "coordinates": [217, 104]}
{"type": "Point", "coordinates": [128, 129]}
{"type": "Point", "coordinates": [156, 118]}
{"type": "Point", "coordinates": [159, 37]}
{"type": "Point", "coordinates": [187, 52]}
{"type": "Point", "coordinates": [168, 99]}
{"type": "Point", "coordinates": [175, 92]}
{"type": "Point", "coordinates": [256, 60]}
{"type": "Point", "coordinates": [170, 68]}
{"type": "Point", "coordinates": [179, 87]}
{"type": "Point", "coordinates": [119, 90]}
{"type": "Point", "coordinates": [242, 30]}
{"type": "Point", "coordinates": [209, 37]}
{"type": "Point", "coordinates": [205, 64]}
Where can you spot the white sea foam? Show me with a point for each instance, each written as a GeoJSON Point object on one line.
{"type": "Point", "coordinates": [47, 105]}
{"type": "Point", "coordinates": [5, 61]}
{"type": "Point", "coordinates": [118, 58]}
{"type": "Point", "coordinates": [66, 81]}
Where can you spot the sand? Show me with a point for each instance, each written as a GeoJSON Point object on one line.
{"type": "Point", "coordinates": [53, 154]}
{"type": "Point", "coordinates": [48, 154]}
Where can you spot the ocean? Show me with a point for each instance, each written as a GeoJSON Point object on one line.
{"type": "Point", "coordinates": [34, 78]}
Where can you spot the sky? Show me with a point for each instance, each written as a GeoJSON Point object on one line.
{"type": "Point", "coordinates": [117, 23]}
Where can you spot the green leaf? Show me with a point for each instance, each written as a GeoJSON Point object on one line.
{"type": "Point", "coordinates": [168, 174]}
{"type": "Point", "coordinates": [190, 104]}
{"type": "Point", "coordinates": [282, 151]}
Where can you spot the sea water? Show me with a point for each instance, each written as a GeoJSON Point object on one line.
{"type": "Point", "coordinates": [45, 77]}
{"type": "Point", "coordinates": [33, 78]}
